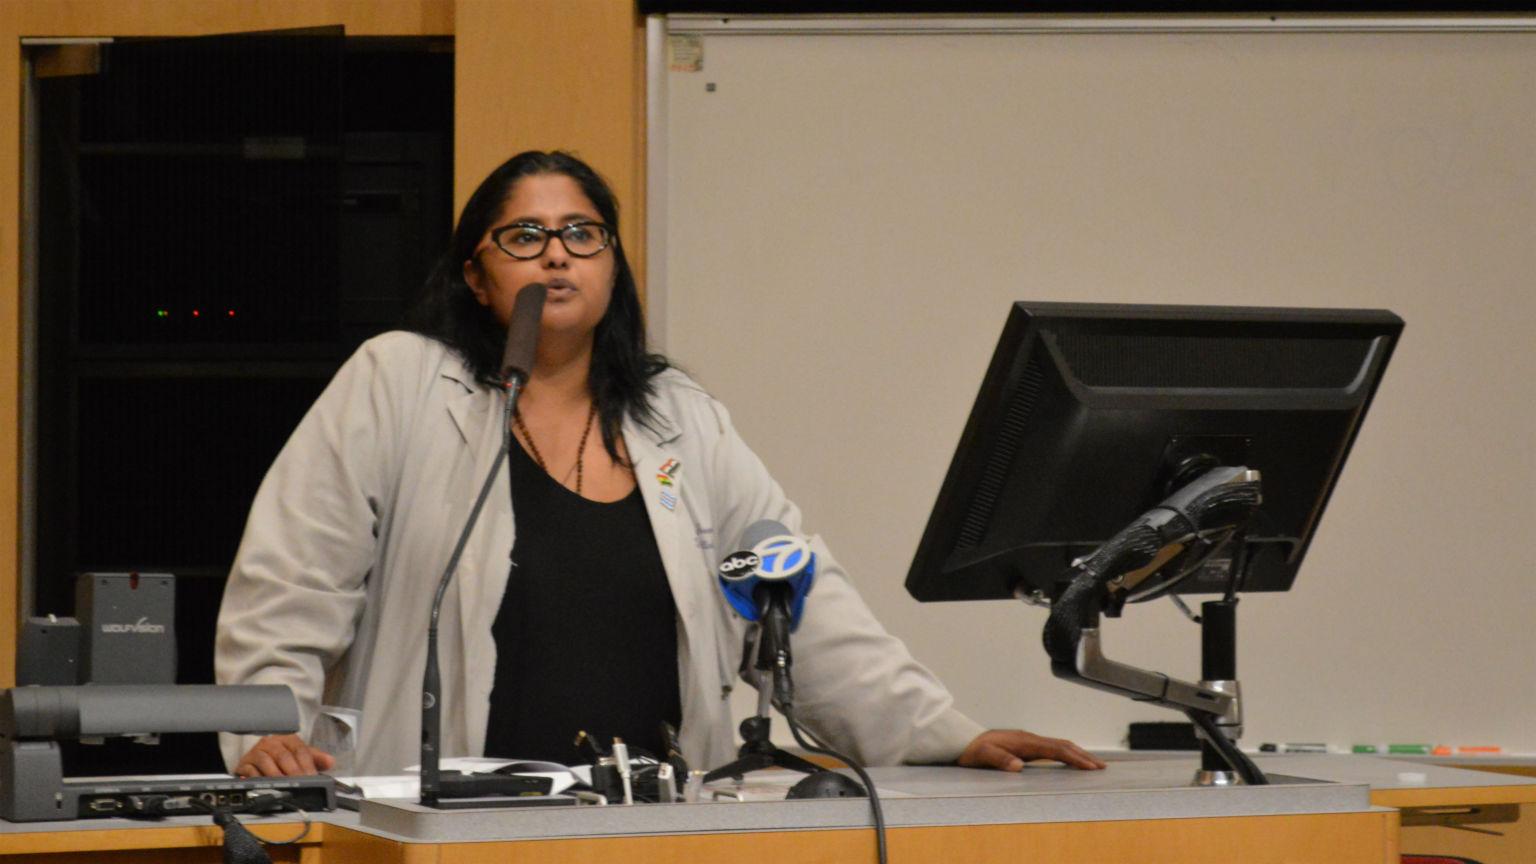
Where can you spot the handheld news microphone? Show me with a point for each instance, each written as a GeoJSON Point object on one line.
{"type": "Point", "coordinates": [768, 584]}
{"type": "Point", "coordinates": [516, 366]}
{"type": "Point", "coordinates": [772, 560]}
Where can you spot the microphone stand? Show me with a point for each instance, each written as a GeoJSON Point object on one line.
{"type": "Point", "coordinates": [517, 362]}
{"type": "Point", "coordinates": [757, 750]}
{"type": "Point", "coordinates": [434, 785]}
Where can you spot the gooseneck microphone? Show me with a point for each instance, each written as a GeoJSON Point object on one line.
{"type": "Point", "coordinates": [522, 336]}
{"type": "Point", "coordinates": [516, 366]}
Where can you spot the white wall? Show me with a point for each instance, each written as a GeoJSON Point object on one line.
{"type": "Point", "coordinates": [846, 218]}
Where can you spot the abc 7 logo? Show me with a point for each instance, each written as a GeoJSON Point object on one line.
{"type": "Point", "coordinates": [739, 565]}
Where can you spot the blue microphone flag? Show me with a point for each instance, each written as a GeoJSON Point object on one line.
{"type": "Point", "coordinates": [770, 555]}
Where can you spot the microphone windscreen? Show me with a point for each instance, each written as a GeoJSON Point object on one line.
{"type": "Point", "coordinates": [759, 531]}
{"type": "Point", "coordinates": [523, 332]}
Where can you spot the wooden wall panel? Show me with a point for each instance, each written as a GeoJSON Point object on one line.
{"type": "Point", "coordinates": [553, 74]}
{"type": "Point", "coordinates": [530, 73]}
{"type": "Point", "coordinates": [206, 17]}
{"type": "Point", "coordinates": [607, 129]}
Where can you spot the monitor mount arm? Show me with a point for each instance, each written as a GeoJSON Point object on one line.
{"type": "Point", "coordinates": [1174, 537]}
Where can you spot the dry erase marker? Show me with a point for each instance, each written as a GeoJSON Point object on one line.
{"type": "Point", "coordinates": [1294, 747]}
{"type": "Point", "coordinates": [1409, 749]}
{"type": "Point", "coordinates": [1482, 750]}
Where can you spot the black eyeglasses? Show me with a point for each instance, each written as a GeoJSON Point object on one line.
{"type": "Point", "coordinates": [526, 240]}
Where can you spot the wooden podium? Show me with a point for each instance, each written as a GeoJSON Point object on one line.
{"type": "Point", "coordinates": [1135, 811]}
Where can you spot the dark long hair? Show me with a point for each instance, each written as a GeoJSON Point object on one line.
{"type": "Point", "coordinates": [446, 309]}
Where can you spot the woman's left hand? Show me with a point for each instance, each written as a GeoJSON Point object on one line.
{"type": "Point", "coordinates": [1009, 749]}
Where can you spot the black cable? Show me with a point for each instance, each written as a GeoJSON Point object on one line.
{"type": "Point", "coordinates": [240, 845]}
{"type": "Point", "coordinates": [869, 785]}
{"type": "Point", "coordinates": [290, 807]}
{"type": "Point", "coordinates": [1239, 570]}
{"type": "Point", "coordinates": [1229, 752]}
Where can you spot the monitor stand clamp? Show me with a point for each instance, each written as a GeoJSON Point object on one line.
{"type": "Point", "coordinates": [1215, 770]}
{"type": "Point", "coordinates": [1218, 657]}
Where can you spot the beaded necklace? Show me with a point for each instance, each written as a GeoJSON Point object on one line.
{"type": "Point", "coordinates": [581, 449]}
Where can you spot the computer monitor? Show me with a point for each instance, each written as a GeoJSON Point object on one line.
{"type": "Point", "coordinates": [1090, 414]}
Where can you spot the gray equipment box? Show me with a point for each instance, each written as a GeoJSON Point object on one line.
{"type": "Point", "coordinates": [34, 720]}
{"type": "Point", "coordinates": [128, 632]}
{"type": "Point", "coordinates": [48, 651]}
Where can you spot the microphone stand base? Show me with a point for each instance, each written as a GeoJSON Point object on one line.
{"type": "Point", "coordinates": [758, 752]}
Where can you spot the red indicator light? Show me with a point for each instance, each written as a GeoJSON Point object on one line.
{"type": "Point", "coordinates": [196, 313]}
{"type": "Point", "coordinates": [231, 313]}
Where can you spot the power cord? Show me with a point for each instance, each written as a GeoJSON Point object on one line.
{"type": "Point", "coordinates": [279, 802]}
{"type": "Point", "coordinates": [869, 785]}
{"type": "Point", "coordinates": [240, 845]}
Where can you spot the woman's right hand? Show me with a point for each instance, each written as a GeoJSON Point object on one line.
{"type": "Point", "coordinates": [283, 756]}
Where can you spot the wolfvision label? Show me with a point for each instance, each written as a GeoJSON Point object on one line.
{"type": "Point", "coordinates": [140, 626]}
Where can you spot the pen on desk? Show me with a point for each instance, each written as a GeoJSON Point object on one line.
{"type": "Point", "coordinates": [666, 791]}
{"type": "Point", "coordinates": [582, 738]}
{"type": "Point", "coordinates": [621, 760]}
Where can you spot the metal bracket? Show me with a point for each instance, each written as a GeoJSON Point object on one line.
{"type": "Point", "coordinates": [1462, 817]}
{"type": "Point", "coordinates": [1143, 685]}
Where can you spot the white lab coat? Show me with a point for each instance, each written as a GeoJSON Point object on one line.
{"type": "Point", "coordinates": [353, 524]}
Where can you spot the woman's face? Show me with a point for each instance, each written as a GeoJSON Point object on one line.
{"type": "Point", "coordinates": [579, 288]}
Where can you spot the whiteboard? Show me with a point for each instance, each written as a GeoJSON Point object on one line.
{"type": "Point", "coordinates": [841, 215]}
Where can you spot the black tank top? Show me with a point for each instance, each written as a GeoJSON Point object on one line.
{"type": "Point", "coordinates": [586, 638]}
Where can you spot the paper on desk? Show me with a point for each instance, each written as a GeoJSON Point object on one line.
{"type": "Point", "coordinates": [408, 785]}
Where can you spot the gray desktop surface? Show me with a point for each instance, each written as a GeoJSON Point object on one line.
{"type": "Point", "coordinates": [1133, 787]}
{"type": "Point", "coordinates": [912, 796]}
{"type": "Point", "coordinates": [1472, 760]}
{"type": "Point", "coordinates": [1383, 773]}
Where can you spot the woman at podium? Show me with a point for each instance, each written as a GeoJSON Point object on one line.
{"type": "Point", "coordinates": [586, 597]}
